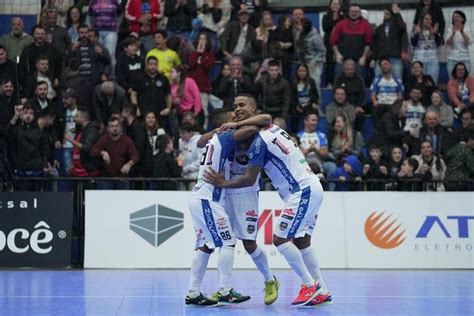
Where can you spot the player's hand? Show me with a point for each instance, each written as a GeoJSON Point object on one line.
{"type": "Point", "coordinates": [227, 126]}
{"type": "Point", "coordinates": [212, 177]}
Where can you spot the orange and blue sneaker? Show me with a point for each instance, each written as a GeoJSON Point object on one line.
{"type": "Point", "coordinates": [306, 294]}
{"type": "Point", "coordinates": [320, 300]}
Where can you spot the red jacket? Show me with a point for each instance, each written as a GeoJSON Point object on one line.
{"type": "Point", "coordinates": [453, 91]}
{"type": "Point", "coordinates": [200, 71]}
{"type": "Point", "coordinates": [351, 37]}
{"type": "Point", "coordinates": [133, 12]}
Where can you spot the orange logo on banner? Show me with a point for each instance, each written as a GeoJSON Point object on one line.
{"type": "Point", "coordinates": [383, 232]}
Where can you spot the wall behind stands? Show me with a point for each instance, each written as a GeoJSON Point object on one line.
{"type": "Point", "coordinates": [145, 229]}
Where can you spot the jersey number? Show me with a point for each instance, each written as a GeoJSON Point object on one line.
{"type": "Point", "coordinates": [226, 235]}
{"type": "Point", "coordinates": [207, 150]}
{"type": "Point", "coordinates": [285, 135]}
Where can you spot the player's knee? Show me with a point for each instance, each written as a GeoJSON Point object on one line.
{"type": "Point", "coordinates": [302, 243]}
{"type": "Point", "coordinates": [206, 249]}
{"type": "Point", "coordinates": [249, 245]}
{"type": "Point", "coordinates": [277, 241]}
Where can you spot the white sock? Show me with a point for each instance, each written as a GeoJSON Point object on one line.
{"type": "Point", "coordinates": [312, 264]}
{"type": "Point", "coordinates": [225, 264]}
{"type": "Point", "coordinates": [198, 268]}
{"type": "Point", "coordinates": [294, 259]}
{"type": "Point", "coordinates": [259, 257]}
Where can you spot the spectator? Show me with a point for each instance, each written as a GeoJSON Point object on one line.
{"type": "Point", "coordinates": [460, 165]}
{"type": "Point", "coordinates": [7, 110]}
{"type": "Point", "coordinates": [343, 177]}
{"type": "Point", "coordinates": [74, 18]}
{"type": "Point", "coordinates": [57, 35]}
{"type": "Point", "coordinates": [166, 57]}
{"type": "Point", "coordinates": [407, 179]}
{"type": "Point", "coordinates": [152, 92]}
{"type": "Point", "coordinates": [164, 164]}
{"type": "Point", "coordinates": [8, 68]}
{"type": "Point", "coordinates": [458, 41]}
{"type": "Point", "coordinates": [253, 7]}
{"type": "Point", "coordinates": [215, 15]}
{"type": "Point", "coordinates": [17, 40]}
{"type": "Point", "coordinates": [343, 139]}
{"type": "Point", "coordinates": [39, 101]}
{"type": "Point", "coordinates": [376, 168]}
{"type": "Point", "coordinates": [430, 167]}
{"type": "Point", "coordinates": [83, 164]}
{"type": "Point", "coordinates": [314, 145]}
{"type": "Point", "coordinates": [395, 161]}
{"type": "Point", "coordinates": [441, 139]}
{"type": "Point", "coordinates": [216, 83]}
{"type": "Point", "coordinates": [391, 40]}
{"type": "Point", "coordinates": [29, 55]}
{"type": "Point", "coordinates": [107, 98]}
{"type": "Point", "coordinates": [106, 69]}
{"type": "Point", "coordinates": [283, 36]}
{"type": "Point", "coordinates": [461, 88]}
{"type": "Point", "coordinates": [422, 81]}
{"type": "Point", "coordinates": [67, 129]}
{"type": "Point", "coordinates": [143, 19]}
{"type": "Point", "coordinates": [330, 19]}
{"type": "Point", "coordinates": [129, 66]}
{"type": "Point", "coordinates": [467, 125]}
{"type": "Point", "coordinates": [426, 39]}
{"type": "Point", "coordinates": [266, 26]}
{"type": "Point", "coordinates": [386, 90]}
{"type": "Point", "coordinates": [104, 15]}
{"type": "Point", "coordinates": [415, 111]}
{"type": "Point", "coordinates": [41, 74]}
{"type": "Point", "coordinates": [118, 154]}
{"type": "Point", "coordinates": [200, 64]}
{"type": "Point", "coordinates": [297, 15]}
{"type": "Point", "coordinates": [153, 130]}
{"type": "Point", "coordinates": [82, 86]}
{"type": "Point", "coordinates": [237, 35]}
{"type": "Point", "coordinates": [305, 95]}
{"type": "Point", "coordinates": [312, 50]}
{"type": "Point", "coordinates": [340, 106]}
{"type": "Point", "coordinates": [435, 11]}
{"type": "Point", "coordinates": [439, 106]}
{"type": "Point", "coordinates": [185, 96]}
{"type": "Point", "coordinates": [189, 153]}
{"type": "Point", "coordinates": [136, 131]}
{"type": "Point", "coordinates": [351, 38]}
{"type": "Point", "coordinates": [61, 7]}
{"type": "Point", "coordinates": [273, 91]}
{"type": "Point", "coordinates": [180, 13]}
{"type": "Point", "coordinates": [92, 58]}
{"type": "Point", "coordinates": [182, 46]}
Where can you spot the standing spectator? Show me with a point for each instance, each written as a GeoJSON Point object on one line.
{"type": "Point", "coordinates": [68, 129]}
{"type": "Point", "coordinates": [253, 7]}
{"type": "Point", "coordinates": [423, 82]}
{"type": "Point", "coordinates": [41, 74]}
{"type": "Point", "coordinates": [106, 70]}
{"type": "Point", "coordinates": [351, 38]}
{"type": "Point", "coordinates": [415, 111]}
{"type": "Point", "coordinates": [386, 90]}
{"type": "Point", "coordinates": [312, 50]}
{"type": "Point", "coordinates": [129, 66]}
{"type": "Point", "coordinates": [107, 98]}
{"type": "Point", "coordinates": [200, 64]}
{"type": "Point", "coordinates": [74, 80]}
{"type": "Point", "coordinates": [297, 15]}
{"type": "Point", "coordinates": [74, 18]}
{"type": "Point", "coordinates": [467, 125]}
{"type": "Point", "coordinates": [331, 18]}
{"type": "Point", "coordinates": [153, 130]}
{"type": "Point", "coordinates": [189, 153]}
{"type": "Point", "coordinates": [7, 67]}
{"type": "Point", "coordinates": [283, 36]}
{"type": "Point", "coordinates": [425, 40]}
{"type": "Point", "coordinates": [304, 95]}
{"type": "Point", "coordinates": [461, 88]}
{"type": "Point", "coordinates": [434, 10]}
{"type": "Point", "coordinates": [215, 15]}
{"type": "Point", "coordinates": [345, 176]}
{"type": "Point", "coordinates": [164, 164]}
{"type": "Point", "coordinates": [266, 26]}
{"type": "Point", "coordinates": [458, 40]}
{"type": "Point", "coordinates": [143, 16]}
{"type": "Point", "coordinates": [430, 167]}
{"type": "Point", "coordinates": [343, 139]}
{"type": "Point", "coordinates": [118, 154]}
{"type": "Point", "coordinates": [166, 57]}
{"type": "Point", "coordinates": [39, 101]}
{"type": "Point", "coordinates": [391, 40]}
{"type": "Point", "coordinates": [395, 161]}
{"type": "Point", "coordinates": [15, 41]}
{"type": "Point", "coordinates": [180, 13]}
{"type": "Point", "coordinates": [340, 106]}
{"type": "Point", "coordinates": [441, 139]}
{"type": "Point", "coordinates": [445, 111]}
{"type": "Point", "coordinates": [185, 94]}
{"type": "Point", "coordinates": [151, 92]}
{"type": "Point", "coordinates": [7, 110]}
{"type": "Point", "coordinates": [104, 15]}
{"type": "Point", "coordinates": [237, 35]}
{"type": "Point", "coordinates": [460, 165]}
{"type": "Point", "coordinates": [57, 35]}
{"type": "Point", "coordinates": [29, 55]}
{"type": "Point", "coordinates": [376, 168]}
{"type": "Point", "coordinates": [61, 7]}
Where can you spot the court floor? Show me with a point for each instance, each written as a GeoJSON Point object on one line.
{"type": "Point", "coordinates": [161, 292]}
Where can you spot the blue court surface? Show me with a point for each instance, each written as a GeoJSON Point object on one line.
{"type": "Point", "coordinates": [161, 292]}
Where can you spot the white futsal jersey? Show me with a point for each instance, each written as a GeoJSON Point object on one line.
{"type": "Point", "coordinates": [274, 150]}
{"type": "Point", "coordinates": [239, 163]}
{"type": "Point", "coordinates": [215, 155]}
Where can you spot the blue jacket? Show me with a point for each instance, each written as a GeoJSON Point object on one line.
{"type": "Point", "coordinates": [353, 161]}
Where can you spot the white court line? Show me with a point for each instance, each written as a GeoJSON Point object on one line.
{"type": "Point", "coordinates": [173, 296]}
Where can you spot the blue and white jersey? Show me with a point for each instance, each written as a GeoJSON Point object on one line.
{"type": "Point", "coordinates": [215, 156]}
{"type": "Point", "coordinates": [386, 90]}
{"type": "Point", "coordinates": [274, 150]}
{"type": "Point", "coordinates": [239, 163]}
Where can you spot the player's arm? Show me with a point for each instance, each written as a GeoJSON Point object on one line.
{"type": "Point", "coordinates": [245, 132]}
{"type": "Point", "coordinates": [201, 143]}
{"type": "Point", "coordinates": [260, 120]}
{"type": "Point", "coordinates": [248, 179]}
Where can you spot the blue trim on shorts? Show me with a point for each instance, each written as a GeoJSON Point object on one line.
{"type": "Point", "coordinates": [301, 212]}
{"type": "Point", "coordinates": [210, 223]}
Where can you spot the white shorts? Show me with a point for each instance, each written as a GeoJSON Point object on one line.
{"type": "Point", "coordinates": [242, 209]}
{"type": "Point", "coordinates": [211, 224]}
{"type": "Point", "coordinates": [298, 217]}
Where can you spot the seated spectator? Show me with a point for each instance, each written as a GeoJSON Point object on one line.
{"type": "Point", "coordinates": [237, 35]}
{"type": "Point", "coordinates": [165, 165]}
{"type": "Point", "coordinates": [129, 66]}
{"type": "Point", "coordinates": [273, 92]}
{"type": "Point", "coordinates": [74, 80]}
{"type": "Point", "coordinates": [312, 51]}
{"type": "Point", "coordinates": [107, 98]}
{"type": "Point", "coordinates": [180, 14]}
{"type": "Point", "coordinates": [353, 85]}
{"type": "Point", "coordinates": [395, 161]}
{"type": "Point", "coordinates": [223, 75]}
{"type": "Point", "coordinates": [41, 74]}
{"type": "Point", "coordinates": [460, 165]}
{"type": "Point", "coordinates": [407, 179]}
{"type": "Point", "coordinates": [446, 113]}
{"type": "Point", "coordinates": [143, 19]}
{"type": "Point", "coordinates": [153, 130]}
{"type": "Point", "coordinates": [430, 167]}
{"type": "Point", "coordinates": [376, 168]}
{"type": "Point", "coordinates": [458, 40]}
{"type": "Point", "coordinates": [415, 111]}
{"type": "Point", "coordinates": [314, 145]}
{"type": "Point", "coordinates": [166, 57]}
{"type": "Point", "coordinates": [344, 177]}
{"type": "Point", "coordinates": [423, 82]}
{"type": "Point", "coordinates": [461, 88]}
{"type": "Point", "coordinates": [441, 139]}
{"type": "Point", "coordinates": [467, 125]}
{"type": "Point", "coordinates": [283, 36]}
{"type": "Point", "coordinates": [74, 18]}
{"type": "Point", "coordinates": [118, 155]}
{"type": "Point", "coordinates": [266, 26]}
{"type": "Point", "coordinates": [340, 106]}
{"type": "Point", "coordinates": [425, 39]}
{"type": "Point", "coordinates": [57, 35]}
{"type": "Point", "coordinates": [17, 40]}
{"type": "Point", "coordinates": [304, 95]}
{"type": "Point", "coordinates": [189, 153]}
{"type": "Point", "coordinates": [39, 101]}
{"type": "Point", "coordinates": [343, 139]}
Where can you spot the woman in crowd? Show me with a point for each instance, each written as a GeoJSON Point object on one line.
{"type": "Point", "coordinates": [153, 130]}
{"type": "Point", "coordinates": [421, 81]}
{"type": "Point", "coordinates": [395, 161]}
{"type": "Point", "coordinates": [74, 18]}
{"type": "Point", "coordinates": [433, 8]}
{"type": "Point", "coordinates": [343, 139]}
{"type": "Point", "coordinates": [430, 167]}
{"type": "Point", "coordinates": [305, 95]}
{"type": "Point", "coordinates": [266, 26]}
{"type": "Point", "coordinates": [283, 35]}
{"type": "Point", "coordinates": [458, 40]}
{"type": "Point", "coordinates": [185, 94]}
{"type": "Point", "coordinates": [461, 88]}
{"type": "Point", "coordinates": [438, 105]}
{"type": "Point", "coordinates": [332, 16]}
{"type": "Point", "coordinates": [407, 179]}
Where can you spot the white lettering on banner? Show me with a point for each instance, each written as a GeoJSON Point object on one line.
{"type": "Point", "coordinates": [39, 237]}
{"type": "Point", "coordinates": [20, 204]}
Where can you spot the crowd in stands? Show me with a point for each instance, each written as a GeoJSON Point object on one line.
{"type": "Point", "coordinates": [125, 89]}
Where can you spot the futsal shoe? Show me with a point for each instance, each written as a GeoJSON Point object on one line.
{"type": "Point", "coordinates": [306, 294]}
{"type": "Point", "coordinates": [232, 298]}
{"type": "Point", "coordinates": [200, 301]}
{"type": "Point", "coordinates": [271, 291]}
{"type": "Point", "coordinates": [320, 300]}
